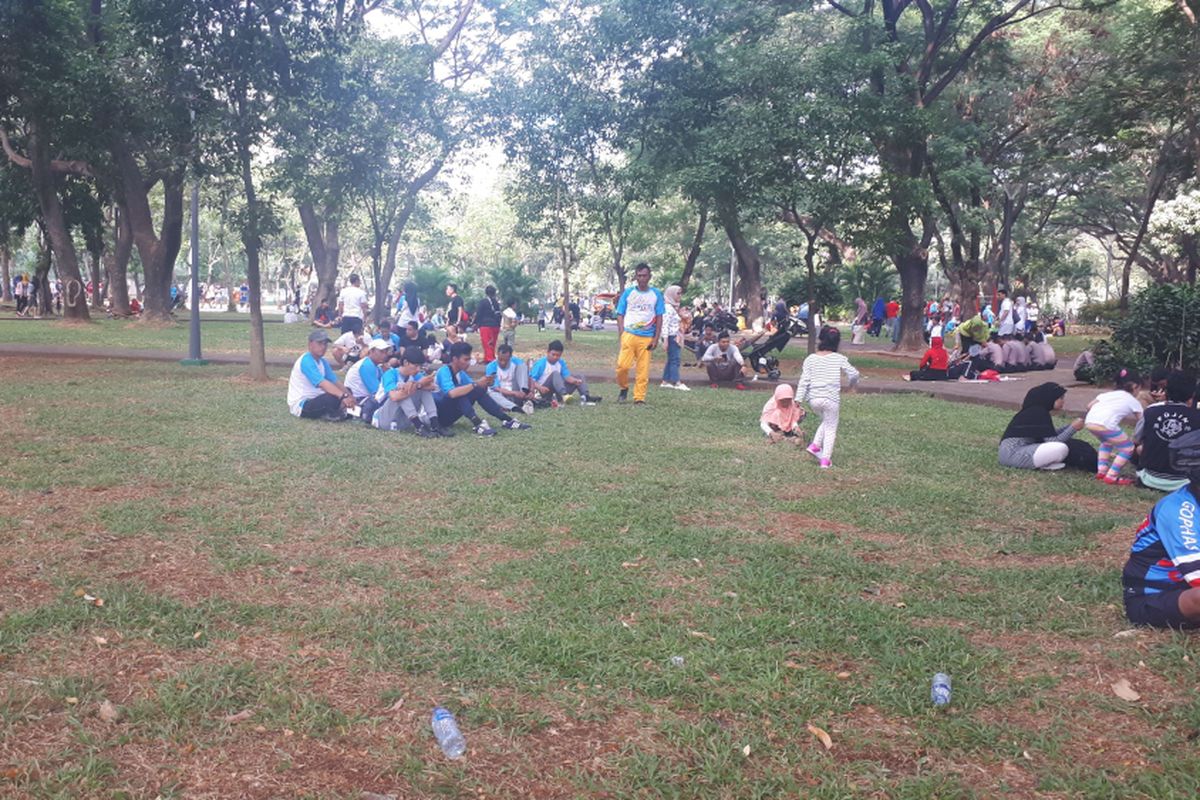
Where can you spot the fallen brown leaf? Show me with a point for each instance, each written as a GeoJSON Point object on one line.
{"type": "Point", "coordinates": [108, 712]}
{"type": "Point", "coordinates": [1123, 690]}
{"type": "Point", "coordinates": [821, 735]}
{"type": "Point", "coordinates": [240, 716]}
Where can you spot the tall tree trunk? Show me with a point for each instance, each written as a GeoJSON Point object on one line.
{"type": "Point", "coordinates": [913, 267]}
{"type": "Point", "coordinates": [1158, 179]}
{"type": "Point", "coordinates": [97, 301]}
{"type": "Point", "coordinates": [117, 264]}
{"type": "Point", "coordinates": [813, 309]}
{"type": "Point", "coordinates": [321, 230]}
{"type": "Point", "coordinates": [693, 253]}
{"type": "Point", "coordinates": [5, 272]}
{"type": "Point", "coordinates": [566, 302]}
{"type": "Point", "coordinates": [252, 241]}
{"type": "Point", "coordinates": [749, 265]}
{"type": "Point", "coordinates": [57, 232]}
{"type": "Point", "coordinates": [157, 250]}
{"type": "Point", "coordinates": [41, 279]}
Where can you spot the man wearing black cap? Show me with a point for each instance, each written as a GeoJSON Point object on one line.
{"type": "Point", "coordinates": [408, 395]}
{"type": "Point", "coordinates": [313, 388]}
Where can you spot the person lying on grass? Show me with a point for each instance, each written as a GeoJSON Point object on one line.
{"type": "Point", "coordinates": [1161, 579]}
{"type": "Point", "coordinates": [781, 416]}
{"type": "Point", "coordinates": [313, 388]}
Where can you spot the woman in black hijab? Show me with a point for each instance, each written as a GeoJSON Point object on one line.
{"type": "Point", "coordinates": [1031, 441]}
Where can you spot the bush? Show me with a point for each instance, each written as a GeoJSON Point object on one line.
{"type": "Point", "coordinates": [1107, 312]}
{"type": "Point", "coordinates": [1162, 329]}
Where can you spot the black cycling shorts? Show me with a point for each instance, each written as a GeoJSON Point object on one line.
{"type": "Point", "coordinates": [1160, 610]}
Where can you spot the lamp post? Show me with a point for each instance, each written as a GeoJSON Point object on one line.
{"type": "Point", "coordinates": [194, 358]}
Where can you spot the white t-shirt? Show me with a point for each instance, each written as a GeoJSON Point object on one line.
{"type": "Point", "coordinates": [1111, 408]}
{"type": "Point", "coordinates": [1007, 323]}
{"type": "Point", "coordinates": [354, 381]}
{"type": "Point", "coordinates": [510, 319]}
{"type": "Point", "coordinates": [551, 369]}
{"type": "Point", "coordinates": [346, 340]}
{"type": "Point", "coordinates": [504, 377]}
{"type": "Point", "coordinates": [352, 299]}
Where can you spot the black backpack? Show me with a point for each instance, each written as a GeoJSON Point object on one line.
{"type": "Point", "coordinates": [1185, 453]}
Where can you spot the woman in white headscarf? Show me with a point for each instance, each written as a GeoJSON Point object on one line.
{"type": "Point", "coordinates": [674, 337]}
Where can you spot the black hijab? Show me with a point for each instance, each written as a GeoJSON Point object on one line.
{"type": "Point", "coordinates": [1033, 420]}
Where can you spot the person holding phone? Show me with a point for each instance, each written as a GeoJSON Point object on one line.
{"type": "Point", "coordinates": [457, 395]}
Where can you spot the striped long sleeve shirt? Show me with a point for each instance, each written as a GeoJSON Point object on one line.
{"type": "Point", "coordinates": [821, 377]}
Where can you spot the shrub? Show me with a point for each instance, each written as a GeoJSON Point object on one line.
{"type": "Point", "coordinates": [1107, 312]}
{"type": "Point", "coordinates": [1162, 329]}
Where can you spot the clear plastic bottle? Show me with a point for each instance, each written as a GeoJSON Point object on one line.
{"type": "Point", "coordinates": [445, 730]}
{"type": "Point", "coordinates": [940, 692]}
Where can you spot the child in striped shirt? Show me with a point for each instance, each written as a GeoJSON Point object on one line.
{"type": "Point", "coordinates": [821, 385]}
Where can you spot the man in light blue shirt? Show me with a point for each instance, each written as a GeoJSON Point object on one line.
{"type": "Point", "coordinates": [458, 394]}
{"type": "Point", "coordinates": [408, 398]}
{"type": "Point", "coordinates": [313, 388]}
{"type": "Point", "coordinates": [639, 324]}
{"type": "Point", "coordinates": [552, 379]}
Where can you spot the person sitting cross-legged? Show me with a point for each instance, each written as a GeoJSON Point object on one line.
{"type": "Point", "coordinates": [362, 379]}
{"type": "Point", "coordinates": [408, 394]}
{"type": "Point", "coordinates": [935, 364]}
{"type": "Point", "coordinates": [724, 363]}
{"type": "Point", "coordinates": [510, 388]}
{"type": "Point", "coordinates": [551, 379]}
{"type": "Point", "coordinates": [458, 394]}
{"type": "Point", "coordinates": [313, 388]}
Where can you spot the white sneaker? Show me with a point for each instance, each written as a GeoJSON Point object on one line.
{"type": "Point", "coordinates": [665, 385]}
{"type": "Point", "coordinates": [683, 387]}
{"type": "Point", "coordinates": [527, 407]}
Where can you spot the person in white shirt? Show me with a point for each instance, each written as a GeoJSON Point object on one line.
{"type": "Point", "coordinates": [821, 385]}
{"type": "Point", "coordinates": [313, 388]}
{"type": "Point", "coordinates": [1006, 321]}
{"type": "Point", "coordinates": [1104, 417]}
{"type": "Point", "coordinates": [510, 389]}
{"type": "Point", "coordinates": [724, 363]}
{"type": "Point", "coordinates": [508, 324]}
{"type": "Point", "coordinates": [346, 348]}
{"type": "Point", "coordinates": [352, 306]}
{"type": "Point", "coordinates": [1022, 314]}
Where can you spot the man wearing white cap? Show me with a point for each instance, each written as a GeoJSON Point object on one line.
{"type": "Point", "coordinates": [363, 378]}
{"type": "Point", "coordinates": [313, 388]}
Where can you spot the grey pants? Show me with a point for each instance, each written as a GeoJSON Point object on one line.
{"type": "Point", "coordinates": [559, 386]}
{"type": "Point", "coordinates": [509, 338]}
{"type": "Point", "coordinates": [399, 412]}
{"type": "Point", "coordinates": [520, 381]}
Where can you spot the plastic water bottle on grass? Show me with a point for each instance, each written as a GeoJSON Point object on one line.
{"type": "Point", "coordinates": [940, 693]}
{"type": "Point", "coordinates": [445, 730]}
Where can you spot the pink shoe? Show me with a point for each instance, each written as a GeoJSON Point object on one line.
{"type": "Point", "coordinates": [812, 448]}
{"type": "Point", "coordinates": [826, 463]}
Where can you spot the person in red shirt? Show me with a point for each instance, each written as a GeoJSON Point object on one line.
{"type": "Point", "coordinates": [935, 364]}
{"type": "Point", "coordinates": [892, 310]}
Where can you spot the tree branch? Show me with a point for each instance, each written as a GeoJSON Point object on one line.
{"type": "Point", "coordinates": [454, 31]}
{"type": "Point", "coordinates": [68, 167]}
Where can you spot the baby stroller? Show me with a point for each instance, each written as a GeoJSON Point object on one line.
{"type": "Point", "coordinates": [759, 356]}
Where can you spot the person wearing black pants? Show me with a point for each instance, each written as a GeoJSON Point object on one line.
{"type": "Point", "coordinates": [458, 394]}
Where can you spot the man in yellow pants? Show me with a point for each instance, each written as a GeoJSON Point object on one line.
{"type": "Point", "coordinates": [639, 323]}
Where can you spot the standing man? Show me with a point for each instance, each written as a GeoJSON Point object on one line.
{"type": "Point", "coordinates": [455, 312]}
{"type": "Point", "coordinates": [639, 323]}
{"type": "Point", "coordinates": [487, 320]}
{"type": "Point", "coordinates": [352, 306]}
{"type": "Point", "coordinates": [508, 324]}
{"type": "Point", "coordinates": [313, 388]}
{"type": "Point", "coordinates": [1006, 321]}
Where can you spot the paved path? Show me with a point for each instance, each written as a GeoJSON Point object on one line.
{"type": "Point", "coordinates": [1006, 394]}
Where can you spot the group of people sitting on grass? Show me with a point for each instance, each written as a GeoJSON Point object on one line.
{"type": "Point", "coordinates": [981, 349]}
{"type": "Point", "coordinates": [396, 385]}
{"type": "Point", "coordinates": [1161, 578]}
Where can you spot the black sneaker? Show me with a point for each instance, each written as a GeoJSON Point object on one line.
{"type": "Point", "coordinates": [591, 399]}
{"type": "Point", "coordinates": [516, 425]}
{"type": "Point", "coordinates": [623, 395]}
{"type": "Point", "coordinates": [443, 432]}
{"type": "Point", "coordinates": [639, 402]}
{"type": "Point", "coordinates": [425, 432]}
{"type": "Point", "coordinates": [337, 416]}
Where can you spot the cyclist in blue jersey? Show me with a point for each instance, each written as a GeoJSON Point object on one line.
{"type": "Point", "coordinates": [1162, 576]}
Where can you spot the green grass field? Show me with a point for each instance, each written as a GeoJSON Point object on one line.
{"type": "Point", "coordinates": [284, 601]}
